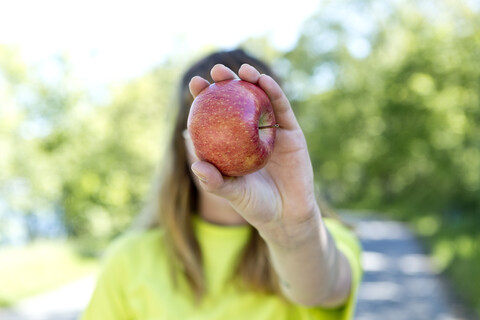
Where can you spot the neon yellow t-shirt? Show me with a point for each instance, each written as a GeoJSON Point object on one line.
{"type": "Point", "coordinates": [135, 281]}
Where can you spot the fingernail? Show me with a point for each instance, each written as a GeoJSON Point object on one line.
{"type": "Point", "coordinates": [200, 177]}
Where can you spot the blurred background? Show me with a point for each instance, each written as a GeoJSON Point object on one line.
{"type": "Point", "coordinates": [387, 92]}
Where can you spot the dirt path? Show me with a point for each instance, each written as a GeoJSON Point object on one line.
{"type": "Point", "coordinates": [399, 282]}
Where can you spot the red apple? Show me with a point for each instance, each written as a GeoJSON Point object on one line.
{"type": "Point", "coordinates": [232, 125]}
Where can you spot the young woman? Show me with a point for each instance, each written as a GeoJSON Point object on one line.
{"type": "Point", "coordinates": [216, 247]}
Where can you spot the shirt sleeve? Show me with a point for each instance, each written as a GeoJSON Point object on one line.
{"type": "Point", "coordinates": [348, 243]}
{"type": "Point", "coordinates": [108, 300]}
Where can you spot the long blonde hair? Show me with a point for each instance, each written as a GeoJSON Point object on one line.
{"type": "Point", "coordinates": [175, 197]}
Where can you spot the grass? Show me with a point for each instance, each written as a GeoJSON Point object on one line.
{"type": "Point", "coordinates": [455, 250]}
{"type": "Point", "coordinates": [39, 267]}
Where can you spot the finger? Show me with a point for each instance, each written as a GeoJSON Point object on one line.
{"type": "Point", "coordinates": [197, 84]}
{"type": "Point", "coordinates": [212, 181]}
{"type": "Point", "coordinates": [281, 106]}
{"type": "Point", "coordinates": [219, 73]}
{"type": "Point", "coordinates": [248, 73]}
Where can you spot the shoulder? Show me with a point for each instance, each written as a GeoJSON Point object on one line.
{"type": "Point", "coordinates": [122, 264]}
{"type": "Point", "coordinates": [134, 246]}
{"type": "Point", "coordinates": [132, 239]}
{"type": "Point", "coordinates": [348, 243]}
{"type": "Point", "coordinates": [343, 234]}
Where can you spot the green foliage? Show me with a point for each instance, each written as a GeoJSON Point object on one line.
{"type": "Point", "coordinates": [64, 153]}
{"type": "Point", "coordinates": [455, 251]}
{"type": "Point", "coordinates": [40, 266]}
{"type": "Point", "coordinates": [119, 146]}
{"type": "Point", "coordinates": [391, 111]}
{"type": "Point", "coordinates": [388, 95]}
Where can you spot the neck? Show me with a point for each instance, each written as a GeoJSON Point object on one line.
{"type": "Point", "coordinates": [217, 210]}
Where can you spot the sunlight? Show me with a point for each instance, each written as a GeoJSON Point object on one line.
{"type": "Point", "coordinates": [113, 40]}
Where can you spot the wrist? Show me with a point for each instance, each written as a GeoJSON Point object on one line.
{"type": "Point", "coordinates": [294, 234]}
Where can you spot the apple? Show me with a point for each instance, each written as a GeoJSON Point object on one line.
{"type": "Point", "coordinates": [232, 126]}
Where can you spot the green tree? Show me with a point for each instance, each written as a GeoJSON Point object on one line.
{"type": "Point", "coordinates": [388, 95]}
{"type": "Point", "coordinates": [391, 111]}
{"type": "Point", "coordinates": [33, 117]}
{"type": "Point", "coordinates": [120, 145]}
{"type": "Point", "coordinates": [90, 164]}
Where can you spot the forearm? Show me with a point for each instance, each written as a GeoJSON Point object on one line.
{"type": "Point", "coordinates": [311, 270]}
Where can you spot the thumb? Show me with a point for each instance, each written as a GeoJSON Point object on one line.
{"type": "Point", "coordinates": [212, 180]}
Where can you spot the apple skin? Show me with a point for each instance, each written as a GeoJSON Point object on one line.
{"type": "Point", "coordinates": [224, 123]}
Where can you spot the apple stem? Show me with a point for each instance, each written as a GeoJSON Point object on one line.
{"type": "Point", "coordinates": [276, 125]}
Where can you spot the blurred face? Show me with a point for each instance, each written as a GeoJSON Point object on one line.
{"type": "Point", "coordinates": [209, 203]}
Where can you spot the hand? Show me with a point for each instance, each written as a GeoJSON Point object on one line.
{"type": "Point", "coordinates": [279, 199]}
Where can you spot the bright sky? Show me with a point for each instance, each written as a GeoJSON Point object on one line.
{"type": "Point", "coordinates": [117, 39]}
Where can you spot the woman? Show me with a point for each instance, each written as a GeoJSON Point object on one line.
{"type": "Point", "coordinates": [215, 247]}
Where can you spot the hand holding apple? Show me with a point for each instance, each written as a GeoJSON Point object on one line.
{"type": "Point", "coordinates": [280, 196]}
{"type": "Point", "coordinates": [279, 201]}
{"type": "Point", "coordinates": [232, 125]}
